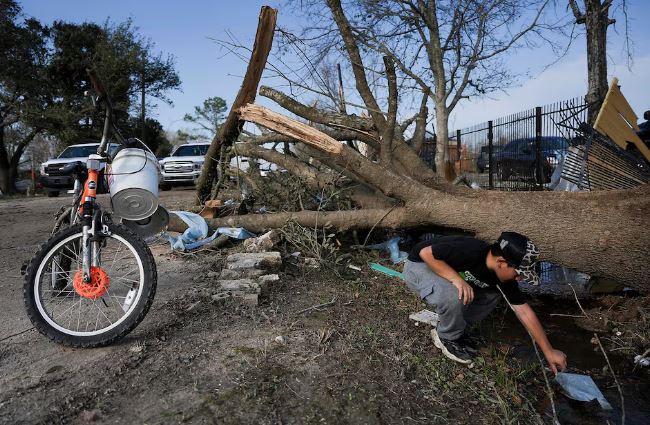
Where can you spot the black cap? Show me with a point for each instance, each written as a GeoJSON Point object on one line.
{"type": "Point", "coordinates": [520, 253]}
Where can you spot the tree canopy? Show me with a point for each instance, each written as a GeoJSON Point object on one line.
{"type": "Point", "coordinates": [43, 79]}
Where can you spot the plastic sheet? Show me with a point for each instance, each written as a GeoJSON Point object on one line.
{"type": "Point", "coordinates": [197, 229]}
{"type": "Point", "coordinates": [581, 388]}
{"type": "Point", "coordinates": [391, 246]}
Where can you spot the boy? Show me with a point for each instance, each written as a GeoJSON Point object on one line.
{"type": "Point", "coordinates": [461, 276]}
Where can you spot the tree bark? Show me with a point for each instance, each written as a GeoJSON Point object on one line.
{"type": "Point", "coordinates": [231, 129]}
{"type": "Point", "coordinates": [596, 20]}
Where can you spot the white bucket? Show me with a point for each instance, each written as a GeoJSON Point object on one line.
{"type": "Point", "coordinates": [133, 183]}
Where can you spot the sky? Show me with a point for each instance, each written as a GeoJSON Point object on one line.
{"type": "Point", "coordinates": [187, 30]}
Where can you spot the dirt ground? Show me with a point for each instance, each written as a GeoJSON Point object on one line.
{"type": "Point", "coordinates": [358, 360]}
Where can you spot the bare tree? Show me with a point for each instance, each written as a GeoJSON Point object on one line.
{"type": "Point", "coordinates": [448, 50]}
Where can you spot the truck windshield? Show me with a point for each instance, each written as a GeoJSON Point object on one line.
{"type": "Point", "coordinates": [83, 151]}
{"type": "Point", "coordinates": [191, 150]}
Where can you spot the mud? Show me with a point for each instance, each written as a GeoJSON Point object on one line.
{"type": "Point", "coordinates": [357, 360]}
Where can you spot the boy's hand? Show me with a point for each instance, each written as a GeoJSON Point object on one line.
{"type": "Point", "coordinates": [556, 360]}
{"type": "Point", "coordinates": [465, 291]}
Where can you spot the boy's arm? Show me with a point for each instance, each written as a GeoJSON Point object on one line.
{"type": "Point", "coordinates": [444, 270]}
{"type": "Point", "coordinates": [556, 359]}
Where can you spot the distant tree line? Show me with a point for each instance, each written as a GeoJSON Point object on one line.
{"type": "Point", "coordinates": [43, 80]}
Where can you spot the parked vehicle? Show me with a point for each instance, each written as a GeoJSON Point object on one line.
{"type": "Point", "coordinates": [53, 179]}
{"type": "Point", "coordinates": [183, 166]}
{"type": "Point", "coordinates": [483, 162]}
{"type": "Point", "coordinates": [517, 158]}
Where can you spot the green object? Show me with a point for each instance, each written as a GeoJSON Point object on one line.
{"type": "Point", "coordinates": [386, 270]}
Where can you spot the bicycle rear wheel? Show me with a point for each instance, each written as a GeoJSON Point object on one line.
{"type": "Point", "coordinates": [75, 313]}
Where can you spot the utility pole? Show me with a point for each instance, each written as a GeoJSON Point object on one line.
{"type": "Point", "coordinates": [143, 134]}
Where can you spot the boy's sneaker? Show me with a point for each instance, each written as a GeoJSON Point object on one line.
{"type": "Point", "coordinates": [454, 350]}
{"type": "Point", "coordinates": [471, 342]}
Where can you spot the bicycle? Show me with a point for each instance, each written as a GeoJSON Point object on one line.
{"type": "Point", "coordinates": [94, 280]}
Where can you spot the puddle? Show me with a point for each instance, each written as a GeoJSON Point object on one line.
{"type": "Point", "coordinates": [583, 358]}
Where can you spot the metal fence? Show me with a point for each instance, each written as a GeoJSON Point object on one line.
{"type": "Point", "coordinates": [518, 151]}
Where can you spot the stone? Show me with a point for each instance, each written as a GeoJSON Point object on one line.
{"type": "Point", "coordinates": [220, 296]}
{"type": "Point", "coordinates": [262, 243]}
{"type": "Point", "coordinates": [312, 262]}
{"type": "Point", "coordinates": [250, 299]}
{"type": "Point", "coordinates": [241, 273]}
{"type": "Point", "coordinates": [258, 260]}
{"type": "Point", "coordinates": [244, 286]}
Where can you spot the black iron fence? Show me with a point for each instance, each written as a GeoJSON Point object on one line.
{"type": "Point", "coordinates": [518, 151]}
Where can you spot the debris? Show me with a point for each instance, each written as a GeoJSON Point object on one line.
{"type": "Point", "coordinates": [262, 243]}
{"type": "Point", "coordinates": [250, 300]}
{"type": "Point", "coordinates": [312, 262]}
{"type": "Point", "coordinates": [581, 388]}
{"type": "Point", "coordinates": [279, 340]}
{"type": "Point", "coordinates": [392, 247]}
{"type": "Point", "coordinates": [197, 229]}
{"type": "Point", "coordinates": [318, 307]}
{"type": "Point", "coordinates": [211, 208]}
{"type": "Point", "coordinates": [386, 270]}
{"type": "Point", "coordinates": [425, 316]}
{"type": "Point", "coordinates": [243, 286]}
{"type": "Point", "coordinates": [642, 361]}
{"type": "Point", "coordinates": [261, 260]}
{"type": "Point", "coordinates": [240, 273]}
{"type": "Point", "coordinates": [90, 415]}
{"type": "Point", "coordinates": [353, 267]}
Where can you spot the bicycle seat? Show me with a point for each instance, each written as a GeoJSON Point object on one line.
{"type": "Point", "coordinates": [72, 168]}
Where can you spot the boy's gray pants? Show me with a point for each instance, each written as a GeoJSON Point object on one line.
{"type": "Point", "coordinates": [453, 316]}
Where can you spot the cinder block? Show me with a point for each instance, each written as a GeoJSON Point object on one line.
{"type": "Point", "coordinates": [254, 260]}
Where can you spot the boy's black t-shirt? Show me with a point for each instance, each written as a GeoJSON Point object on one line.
{"type": "Point", "coordinates": [467, 256]}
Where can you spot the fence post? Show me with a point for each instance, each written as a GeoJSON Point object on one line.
{"type": "Point", "coordinates": [460, 167]}
{"type": "Point", "coordinates": [490, 161]}
{"type": "Point", "coordinates": [538, 146]}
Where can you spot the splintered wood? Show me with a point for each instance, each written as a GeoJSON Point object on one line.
{"type": "Point", "coordinates": [289, 127]}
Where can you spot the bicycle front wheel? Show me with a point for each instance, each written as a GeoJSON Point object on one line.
{"type": "Point", "coordinates": [70, 311]}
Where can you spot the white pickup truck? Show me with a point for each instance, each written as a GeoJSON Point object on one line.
{"type": "Point", "coordinates": [183, 166]}
{"type": "Point", "coordinates": [51, 178]}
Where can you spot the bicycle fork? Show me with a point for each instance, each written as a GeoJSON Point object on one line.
{"type": "Point", "coordinates": [91, 244]}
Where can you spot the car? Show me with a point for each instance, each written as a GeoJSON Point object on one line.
{"type": "Point", "coordinates": [517, 158]}
{"type": "Point", "coordinates": [53, 181]}
{"type": "Point", "coordinates": [483, 163]}
{"type": "Point", "coordinates": [184, 164]}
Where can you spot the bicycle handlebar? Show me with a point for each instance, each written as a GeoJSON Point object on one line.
{"type": "Point", "coordinates": [98, 87]}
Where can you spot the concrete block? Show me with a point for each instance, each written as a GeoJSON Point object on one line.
{"type": "Point", "coordinates": [258, 260]}
{"type": "Point", "coordinates": [250, 300]}
{"type": "Point", "coordinates": [245, 286]}
{"type": "Point", "coordinates": [240, 274]}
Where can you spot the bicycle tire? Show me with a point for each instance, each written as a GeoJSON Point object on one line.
{"type": "Point", "coordinates": [46, 324]}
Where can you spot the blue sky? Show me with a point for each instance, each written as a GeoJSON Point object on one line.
{"type": "Point", "coordinates": [184, 29]}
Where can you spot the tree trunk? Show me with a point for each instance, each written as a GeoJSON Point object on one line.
{"type": "Point", "coordinates": [442, 142]}
{"type": "Point", "coordinates": [599, 233]}
{"type": "Point", "coordinates": [231, 129]}
{"type": "Point", "coordinates": [596, 23]}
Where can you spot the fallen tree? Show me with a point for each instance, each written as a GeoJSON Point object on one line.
{"type": "Point", "coordinates": [600, 233]}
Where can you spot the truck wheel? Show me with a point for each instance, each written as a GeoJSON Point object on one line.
{"type": "Point", "coordinates": [52, 194]}
{"type": "Point", "coordinates": [165, 186]}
